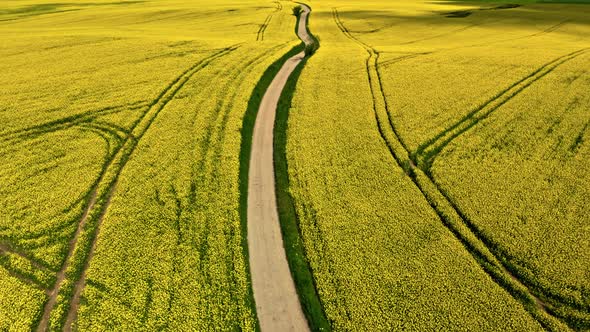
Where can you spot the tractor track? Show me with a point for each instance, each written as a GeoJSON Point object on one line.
{"type": "Point", "coordinates": [133, 139]}
{"type": "Point", "coordinates": [21, 276]}
{"type": "Point", "coordinates": [101, 196]}
{"type": "Point", "coordinates": [67, 122]}
{"type": "Point", "coordinates": [102, 288]}
{"type": "Point", "coordinates": [493, 263]}
{"type": "Point", "coordinates": [9, 250]}
{"type": "Point", "coordinates": [262, 29]}
{"type": "Point", "coordinates": [206, 170]}
{"type": "Point", "coordinates": [550, 29]}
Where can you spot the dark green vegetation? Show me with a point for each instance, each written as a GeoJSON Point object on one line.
{"type": "Point", "coordinates": [288, 217]}
{"type": "Point", "coordinates": [246, 133]}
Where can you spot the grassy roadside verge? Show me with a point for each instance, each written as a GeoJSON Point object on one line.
{"type": "Point", "coordinates": [293, 244]}
{"type": "Point", "coordinates": [245, 151]}
{"type": "Point", "coordinates": [294, 248]}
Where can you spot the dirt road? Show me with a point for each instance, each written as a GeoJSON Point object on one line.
{"type": "Point", "coordinates": [277, 303]}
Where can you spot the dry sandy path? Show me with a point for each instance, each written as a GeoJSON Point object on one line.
{"type": "Point", "coordinates": [277, 303]}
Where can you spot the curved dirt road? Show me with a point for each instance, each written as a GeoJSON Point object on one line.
{"type": "Point", "coordinates": [277, 303]}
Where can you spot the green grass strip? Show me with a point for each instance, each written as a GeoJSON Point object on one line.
{"type": "Point", "coordinates": [246, 148]}
{"type": "Point", "coordinates": [293, 243]}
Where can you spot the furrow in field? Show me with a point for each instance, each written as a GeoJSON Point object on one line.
{"type": "Point", "coordinates": [427, 152]}
{"type": "Point", "coordinates": [448, 212]}
{"type": "Point", "coordinates": [78, 258]}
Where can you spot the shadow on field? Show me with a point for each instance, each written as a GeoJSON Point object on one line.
{"type": "Point", "coordinates": [465, 13]}
{"type": "Point", "coordinates": [514, 14]}
{"type": "Point", "coordinates": [50, 8]}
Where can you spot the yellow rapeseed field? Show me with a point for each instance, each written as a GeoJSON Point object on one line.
{"type": "Point", "coordinates": [121, 122]}
{"type": "Point", "coordinates": [491, 235]}
{"type": "Point", "coordinates": [431, 160]}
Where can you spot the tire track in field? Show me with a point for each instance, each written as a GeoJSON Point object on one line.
{"type": "Point", "coordinates": [372, 64]}
{"type": "Point", "coordinates": [427, 152]}
{"type": "Point", "coordinates": [4, 248]}
{"type": "Point", "coordinates": [48, 233]}
{"type": "Point", "coordinates": [444, 34]}
{"type": "Point", "coordinates": [67, 122]}
{"type": "Point", "coordinates": [550, 29]}
{"type": "Point", "coordinates": [204, 171]}
{"type": "Point", "coordinates": [108, 132]}
{"type": "Point", "coordinates": [236, 72]}
{"type": "Point", "coordinates": [31, 281]}
{"type": "Point", "coordinates": [262, 29]}
{"type": "Point", "coordinates": [99, 197]}
{"type": "Point", "coordinates": [180, 206]}
{"type": "Point", "coordinates": [402, 58]}
{"type": "Point", "coordinates": [158, 105]}
{"type": "Point", "coordinates": [491, 262]}
{"type": "Point", "coordinates": [217, 148]}
{"type": "Point", "coordinates": [537, 34]}
{"type": "Point", "coordinates": [110, 136]}
{"type": "Point", "coordinates": [24, 279]}
{"type": "Point", "coordinates": [212, 149]}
